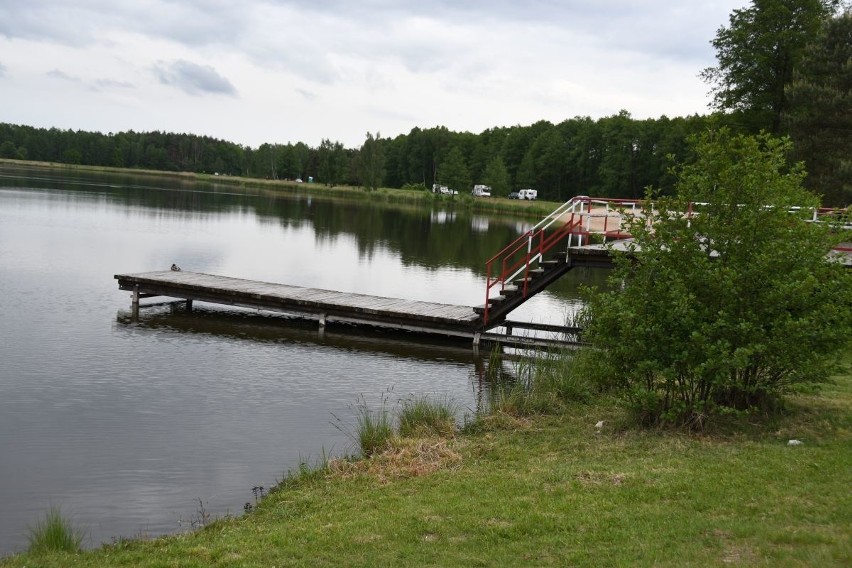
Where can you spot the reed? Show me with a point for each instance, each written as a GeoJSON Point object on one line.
{"type": "Point", "coordinates": [423, 416]}
{"type": "Point", "coordinates": [373, 429]}
{"type": "Point", "coordinates": [54, 533]}
{"type": "Point", "coordinates": [542, 383]}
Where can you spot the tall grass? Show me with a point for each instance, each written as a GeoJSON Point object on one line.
{"type": "Point", "coordinates": [423, 416]}
{"type": "Point", "coordinates": [54, 533]}
{"type": "Point", "coordinates": [374, 429]}
{"type": "Point", "coordinates": [542, 383]}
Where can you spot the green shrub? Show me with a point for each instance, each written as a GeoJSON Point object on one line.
{"type": "Point", "coordinates": [54, 533]}
{"type": "Point", "coordinates": [728, 310]}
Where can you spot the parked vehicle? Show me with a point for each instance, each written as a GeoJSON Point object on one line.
{"type": "Point", "coordinates": [481, 191]}
{"type": "Point", "coordinates": [529, 194]}
{"type": "Point", "coordinates": [514, 195]}
{"type": "Point", "coordinates": [443, 189]}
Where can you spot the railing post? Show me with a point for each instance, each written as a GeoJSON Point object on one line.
{"type": "Point", "coordinates": [487, 292]}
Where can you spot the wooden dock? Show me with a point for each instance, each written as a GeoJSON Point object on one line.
{"type": "Point", "coordinates": [322, 305]}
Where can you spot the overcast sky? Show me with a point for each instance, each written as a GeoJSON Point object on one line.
{"type": "Point", "coordinates": [258, 71]}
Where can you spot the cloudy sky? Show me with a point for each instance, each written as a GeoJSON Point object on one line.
{"type": "Point", "coordinates": [258, 71]}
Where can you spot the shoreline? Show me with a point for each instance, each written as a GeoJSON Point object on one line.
{"type": "Point", "coordinates": [497, 205]}
{"type": "Point", "coordinates": [548, 489]}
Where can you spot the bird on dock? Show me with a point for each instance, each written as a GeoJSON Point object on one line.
{"type": "Point", "coordinates": [175, 268]}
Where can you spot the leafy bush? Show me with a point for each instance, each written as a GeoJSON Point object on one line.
{"type": "Point", "coordinates": [732, 307]}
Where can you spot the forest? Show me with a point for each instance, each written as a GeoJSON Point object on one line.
{"type": "Point", "coordinates": [615, 156]}
{"type": "Point", "coordinates": [783, 68]}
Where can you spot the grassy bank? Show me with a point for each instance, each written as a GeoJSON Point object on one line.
{"type": "Point", "coordinates": [532, 209]}
{"type": "Point", "coordinates": [551, 491]}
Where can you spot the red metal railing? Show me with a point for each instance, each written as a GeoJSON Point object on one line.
{"type": "Point", "coordinates": [578, 218]}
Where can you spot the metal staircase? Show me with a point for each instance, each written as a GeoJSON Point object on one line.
{"type": "Point", "coordinates": [542, 254]}
{"type": "Point", "coordinates": [575, 234]}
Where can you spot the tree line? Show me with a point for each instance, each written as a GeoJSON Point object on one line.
{"type": "Point", "coordinates": [615, 156]}
{"type": "Point", "coordinates": [782, 68]}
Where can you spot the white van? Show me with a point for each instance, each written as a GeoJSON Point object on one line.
{"type": "Point", "coordinates": [481, 191]}
{"type": "Point", "coordinates": [527, 194]}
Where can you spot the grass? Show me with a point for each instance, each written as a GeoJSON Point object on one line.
{"type": "Point", "coordinates": [541, 384]}
{"type": "Point", "coordinates": [54, 533]}
{"type": "Point", "coordinates": [422, 417]}
{"type": "Point", "coordinates": [551, 490]}
{"type": "Point", "coordinates": [374, 429]}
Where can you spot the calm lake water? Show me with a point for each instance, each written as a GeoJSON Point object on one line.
{"type": "Point", "coordinates": [129, 427]}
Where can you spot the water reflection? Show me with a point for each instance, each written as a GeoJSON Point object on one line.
{"type": "Point", "coordinates": [256, 326]}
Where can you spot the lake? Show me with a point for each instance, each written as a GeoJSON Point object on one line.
{"type": "Point", "coordinates": [133, 427]}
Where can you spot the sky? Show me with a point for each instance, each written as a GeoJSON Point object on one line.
{"type": "Point", "coordinates": [279, 71]}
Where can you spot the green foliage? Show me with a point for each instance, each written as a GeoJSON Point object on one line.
{"type": "Point", "coordinates": [612, 156]}
{"type": "Point", "coordinates": [819, 114]}
{"type": "Point", "coordinates": [423, 416]}
{"type": "Point", "coordinates": [496, 176]}
{"type": "Point", "coordinates": [54, 533]}
{"type": "Point", "coordinates": [729, 309]}
{"type": "Point", "coordinates": [372, 162]}
{"type": "Point", "coordinates": [757, 53]}
{"type": "Point", "coordinates": [453, 172]}
{"type": "Point", "coordinates": [332, 161]}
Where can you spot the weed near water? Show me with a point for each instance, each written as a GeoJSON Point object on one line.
{"type": "Point", "coordinates": [423, 416]}
{"type": "Point", "coordinates": [374, 428]}
{"type": "Point", "coordinates": [54, 533]}
{"type": "Point", "coordinates": [542, 383]}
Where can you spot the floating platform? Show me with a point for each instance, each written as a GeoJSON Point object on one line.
{"type": "Point", "coordinates": [322, 305]}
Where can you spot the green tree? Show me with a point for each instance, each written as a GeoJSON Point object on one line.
{"type": "Point", "coordinates": [453, 172]}
{"type": "Point", "coordinates": [757, 53]}
{"type": "Point", "coordinates": [497, 177]}
{"type": "Point", "coordinates": [331, 162]}
{"type": "Point", "coordinates": [819, 113]}
{"type": "Point", "coordinates": [525, 175]}
{"type": "Point", "coordinates": [728, 309]}
{"type": "Point", "coordinates": [372, 160]}
{"type": "Point", "coordinates": [550, 156]}
{"type": "Point", "coordinates": [7, 149]}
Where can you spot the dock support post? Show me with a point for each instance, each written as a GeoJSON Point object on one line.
{"type": "Point", "coordinates": [477, 337]}
{"type": "Point", "coordinates": [188, 305]}
{"type": "Point", "coordinates": [322, 321]}
{"type": "Point", "coordinates": [134, 302]}
{"type": "Point", "coordinates": [508, 329]}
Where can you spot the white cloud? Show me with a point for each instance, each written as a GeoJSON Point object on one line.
{"type": "Point", "coordinates": [193, 79]}
{"type": "Point", "coordinates": [289, 70]}
{"type": "Point", "coordinates": [57, 74]}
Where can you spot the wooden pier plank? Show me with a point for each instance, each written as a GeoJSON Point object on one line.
{"type": "Point", "coordinates": [343, 306]}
